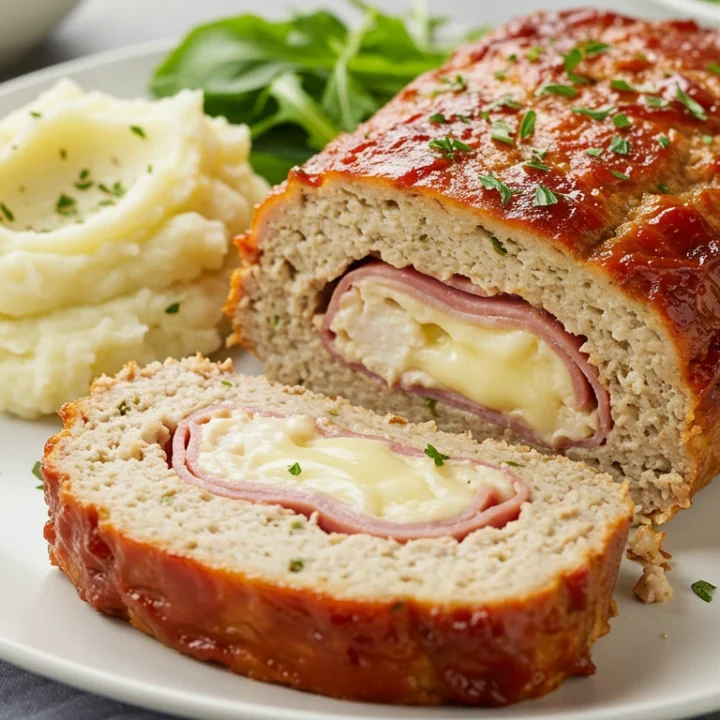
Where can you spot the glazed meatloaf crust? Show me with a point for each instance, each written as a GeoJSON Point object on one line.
{"type": "Point", "coordinates": [563, 169]}
{"type": "Point", "coordinates": [501, 613]}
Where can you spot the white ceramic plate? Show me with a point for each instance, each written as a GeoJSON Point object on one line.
{"type": "Point", "coordinates": [702, 10]}
{"type": "Point", "coordinates": [642, 675]}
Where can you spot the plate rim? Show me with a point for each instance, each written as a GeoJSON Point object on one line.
{"type": "Point", "coordinates": [699, 8]}
{"type": "Point", "coordinates": [191, 704]}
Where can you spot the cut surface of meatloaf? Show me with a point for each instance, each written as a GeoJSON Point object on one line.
{"type": "Point", "coordinates": [564, 165]}
{"type": "Point", "coordinates": [145, 533]}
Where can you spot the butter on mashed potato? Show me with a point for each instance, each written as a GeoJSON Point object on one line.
{"type": "Point", "coordinates": [115, 223]}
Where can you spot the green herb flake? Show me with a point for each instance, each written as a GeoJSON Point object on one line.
{"type": "Point", "coordinates": [500, 74]}
{"type": "Point", "coordinates": [456, 84]}
{"type": "Point", "coordinates": [713, 67]}
{"type": "Point", "coordinates": [707, 139]}
{"type": "Point", "coordinates": [297, 525]}
{"type": "Point", "coordinates": [512, 463]}
{"type": "Point", "coordinates": [294, 469]}
{"type": "Point", "coordinates": [664, 189]}
{"type": "Point", "coordinates": [35, 114]}
{"type": "Point", "coordinates": [501, 132]}
{"type": "Point", "coordinates": [435, 455]}
{"type": "Point", "coordinates": [620, 145]}
{"type": "Point", "coordinates": [490, 182]}
{"type": "Point", "coordinates": [431, 405]}
{"type": "Point", "coordinates": [619, 175]}
{"type": "Point", "coordinates": [106, 203]}
{"type": "Point", "coordinates": [537, 164]}
{"type": "Point", "coordinates": [439, 119]}
{"type": "Point", "coordinates": [594, 47]}
{"type": "Point", "coordinates": [227, 383]}
{"type": "Point", "coordinates": [544, 196]}
{"type": "Point", "coordinates": [173, 309]}
{"type": "Point", "coordinates": [117, 189]}
{"type": "Point", "coordinates": [572, 59]}
{"type": "Point", "coordinates": [663, 140]}
{"type": "Point", "coordinates": [527, 124]}
{"type": "Point", "coordinates": [7, 213]}
{"type": "Point", "coordinates": [150, 169]}
{"type": "Point", "coordinates": [656, 101]}
{"type": "Point", "coordinates": [275, 320]}
{"type": "Point", "coordinates": [507, 101]}
{"type": "Point", "coordinates": [565, 90]}
{"type": "Point", "coordinates": [84, 185]}
{"type": "Point", "coordinates": [137, 130]}
{"type": "Point", "coordinates": [36, 470]}
{"type": "Point", "coordinates": [594, 152]}
{"type": "Point", "coordinates": [448, 146]}
{"type": "Point", "coordinates": [63, 153]}
{"type": "Point", "coordinates": [66, 205]}
{"type": "Point", "coordinates": [463, 118]}
{"type": "Point", "coordinates": [124, 408]}
{"type": "Point", "coordinates": [534, 53]}
{"type": "Point", "coordinates": [296, 565]}
{"type": "Point", "coordinates": [621, 121]}
{"type": "Point", "coordinates": [693, 106]}
{"type": "Point", "coordinates": [704, 590]}
{"type": "Point", "coordinates": [622, 85]}
{"type": "Point", "coordinates": [499, 248]}
{"type": "Point", "coordinates": [599, 114]}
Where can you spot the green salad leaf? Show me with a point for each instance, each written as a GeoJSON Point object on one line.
{"type": "Point", "coordinates": [298, 83]}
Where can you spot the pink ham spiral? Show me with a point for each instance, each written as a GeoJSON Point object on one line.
{"type": "Point", "coordinates": [485, 509]}
{"type": "Point", "coordinates": [460, 297]}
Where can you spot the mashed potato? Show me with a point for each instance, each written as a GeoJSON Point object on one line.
{"type": "Point", "coordinates": [109, 209]}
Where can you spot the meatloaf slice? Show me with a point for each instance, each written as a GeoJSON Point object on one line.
{"type": "Point", "coordinates": [149, 525]}
{"type": "Point", "coordinates": [523, 244]}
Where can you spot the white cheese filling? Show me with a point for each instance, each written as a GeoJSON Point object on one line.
{"type": "Point", "coordinates": [414, 344]}
{"type": "Point", "coordinates": [363, 473]}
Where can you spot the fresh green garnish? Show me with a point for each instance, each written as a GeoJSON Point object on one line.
{"type": "Point", "coordinates": [695, 108]}
{"type": "Point", "coordinates": [501, 132]}
{"type": "Point", "coordinates": [36, 470]}
{"type": "Point", "coordinates": [599, 114]}
{"type": "Point", "coordinates": [499, 248]}
{"type": "Point", "coordinates": [704, 590]}
{"type": "Point", "coordinates": [35, 114]}
{"type": "Point", "coordinates": [621, 121]}
{"type": "Point", "coordinates": [620, 175]}
{"type": "Point", "coordinates": [534, 53]}
{"type": "Point", "coordinates": [275, 320]}
{"type": "Point", "coordinates": [490, 182]}
{"type": "Point", "coordinates": [622, 85]}
{"type": "Point", "coordinates": [512, 463]}
{"type": "Point", "coordinates": [438, 118]}
{"type": "Point", "coordinates": [297, 525]}
{"type": "Point", "coordinates": [713, 67]}
{"type": "Point", "coordinates": [664, 189]}
{"type": "Point", "coordinates": [173, 309]}
{"type": "Point", "coordinates": [566, 90]}
{"type": "Point", "coordinates": [117, 189]}
{"type": "Point", "coordinates": [294, 469]}
{"type": "Point", "coordinates": [8, 214]}
{"type": "Point", "coordinates": [594, 47]}
{"type": "Point", "coordinates": [656, 101]}
{"type": "Point", "coordinates": [664, 140]}
{"type": "Point", "coordinates": [462, 118]}
{"type": "Point", "coordinates": [150, 169]}
{"type": "Point", "coordinates": [301, 81]}
{"type": "Point", "coordinates": [296, 565]}
{"type": "Point", "coordinates": [436, 455]}
{"type": "Point", "coordinates": [431, 404]}
{"type": "Point", "coordinates": [544, 196]}
{"type": "Point", "coordinates": [707, 139]}
{"type": "Point", "coordinates": [66, 205]}
{"type": "Point", "coordinates": [448, 146]}
{"type": "Point", "coordinates": [86, 185]}
{"type": "Point", "coordinates": [620, 145]}
{"type": "Point", "coordinates": [226, 382]}
{"type": "Point", "coordinates": [527, 124]}
{"type": "Point", "coordinates": [537, 164]}
{"type": "Point", "coordinates": [594, 152]}
{"type": "Point", "coordinates": [138, 131]}
{"type": "Point", "coordinates": [507, 101]}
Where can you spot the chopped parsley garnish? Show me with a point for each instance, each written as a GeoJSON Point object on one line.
{"type": "Point", "coordinates": [695, 108]}
{"type": "Point", "coordinates": [173, 309]}
{"type": "Point", "coordinates": [707, 139]}
{"type": "Point", "coordinates": [619, 175]}
{"type": "Point", "coordinates": [664, 140]}
{"type": "Point", "coordinates": [275, 320]}
{"type": "Point", "coordinates": [35, 114]}
{"type": "Point", "coordinates": [431, 404]}
{"type": "Point", "coordinates": [9, 216]}
{"type": "Point", "coordinates": [106, 203]}
{"type": "Point", "coordinates": [226, 382]}
{"type": "Point", "coordinates": [66, 205]}
{"type": "Point", "coordinates": [507, 101]}
{"type": "Point", "coordinates": [593, 47]}
{"type": "Point", "coordinates": [138, 131]}
{"type": "Point", "coordinates": [84, 174]}
{"type": "Point", "coordinates": [527, 124]}
{"type": "Point", "coordinates": [297, 525]}
{"type": "Point", "coordinates": [621, 120]}
{"type": "Point", "coordinates": [599, 114]}
{"type": "Point", "coordinates": [117, 189]}
{"type": "Point", "coordinates": [656, 101]}
{"type": "Point", "coordinates": [537, 164]}
{"type": "Point", "coordinates": [462, 118]}
{"type": "Point", "coordinates": [544, 196]}
{"type": "Point", "coordinates": [104, 188]}
{"type": "Point", "coordinates": [36, 470]}
{"type": "Point", "coordinates": [294, 469]}
{"type": "Point", "coordinates": [704, 590]}
{"type": "Point", "coordinates": [490, 182]}
{"type": "Point", "coordinates": [296, 565]}
{"type": "Point", "coordinates": [566, 90]}
{"type": "Point", "coordinates": [713, 67]}
{"type": "Point", "coordinates": [572, 59]}
{"type": "Point", "coordinates": [448, 146]}
{"type": "Point", "coordinates": [594, 152]}
{"type": "Point", "coordinates": [84, 182]}
{"type": "Point", "coordinates": [499, 248]}
{"type": "Point", "coordinates": [664, 189]}
{"type": "Point", "coordinates": [124, 408]}
{"type": "Point", "coordinates": [512, 463]}
{"type": "Point", "coordinates": [534, 53]}
{"type": "Point", "coordinates": [622, 85]}
{"type": "Point", "coordinates": [436, 455]}
{"type": "Point", "coordinates": [86, 185]}
{"type": "Point", "coordinates": [454, 85]}
{"type": "Point", "coordinates": [501, 132]}
{"type": "Point", "coordinates": [620, 145]}
{"type": "Point", "coordinates": [438, 118]}
{"type": "Point", "coordinates": [149, 168]}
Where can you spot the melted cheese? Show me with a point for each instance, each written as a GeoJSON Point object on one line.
{"type": "Point", "coordinates": [364, 473]}
{"type": "Point", "coordinates": [410, 343]}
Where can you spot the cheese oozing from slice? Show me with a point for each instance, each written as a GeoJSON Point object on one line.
{"type": "Point", "coordinates": [415, 344]}
{"type": "Point", "coordinates": [363, 472]}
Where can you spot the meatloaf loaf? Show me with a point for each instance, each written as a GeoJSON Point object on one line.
{"type": "Point", "coordinates": [303, 541]}
{"type": "Point", "coordinates": [524, 244]}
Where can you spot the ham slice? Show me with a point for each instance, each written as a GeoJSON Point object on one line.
{"type": "Point", "coordinates": [462, 298]}
{"type": "Point", "coordinates": [485, 509]}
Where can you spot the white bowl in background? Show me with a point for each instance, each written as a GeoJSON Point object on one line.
{"type": "Point", "coordinates": [702, 10]}
{"type": "Point", "coordinates": [24, 23]}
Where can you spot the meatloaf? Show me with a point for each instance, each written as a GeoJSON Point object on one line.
{"type": "Point", "coordinates": [302, 541]}
{"type": "Point", "coordinates": [523, 244]}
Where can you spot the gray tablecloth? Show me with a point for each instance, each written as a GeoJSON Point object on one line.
{"type": "Point", "coordinates": [102, 24]}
